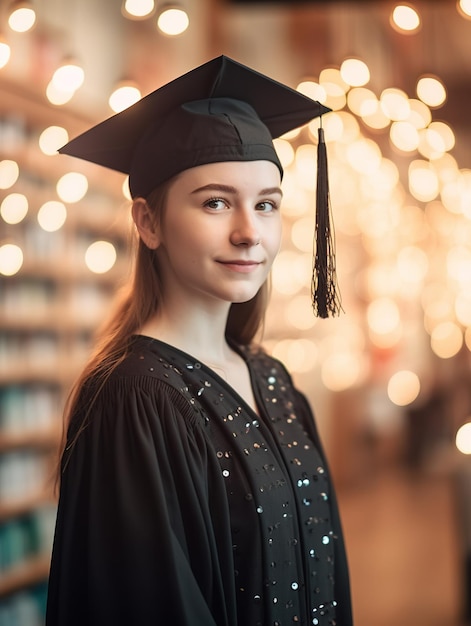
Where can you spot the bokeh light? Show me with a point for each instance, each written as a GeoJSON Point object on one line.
{"type": "Point", "coordinates": [464, 7]}
{"type": "Point", "coordinates": [395, 104]}
{"type": "Point", "coordinates": [403, 387]}
{"type": "Point", "coordinates": [100, 257]}
{"type": "Point", "coordinates": [313, 90]}
{"type": "Point", "coordinates": [138, 9]}
{"type": "Point", "coordinates": [14, 208]}
{"type": "Point", "coordinates": [284, 151]}
{"type": "Point", "coordinates": [423, 181]}
{"type": "Point", "coordinates": [463, 438]}
{"type": "Point", "coordinates": [5, 52]}
{"type": "Point", "coordinates": [22, 19]}
{"type": "Point", "coordinates": [53, 138]}
{"type": "Point", "coordinates": [123, 97]}
{"type": "Point", "coordinates": [404, 136]}
{"type": "Point", "coordinates": [68, 77]}
{"type": "Point", "coordinates": [173, 21]}
{"type": "Point", "coordinates": [72, 187]}
{"type": "Point", "coordinates": [446, 340]}
{"type": "Point", "coordinates": [52, 215]}
{"type": "Point", "coordinates": [405, 18]}
{"type": "Point", "coordinates": [58, 96]}
{"type": "Point", "coordinates": [355, 72]}
{"type": "Point", "coordinates": [11, 259]}
{"type": "Point", "coordinates": [431, 91]}
{"type": "Point", "coordinates": [9, 172]}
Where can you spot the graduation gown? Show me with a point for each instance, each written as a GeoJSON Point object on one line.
{"type": "Point", "coordinates": [180, 505]}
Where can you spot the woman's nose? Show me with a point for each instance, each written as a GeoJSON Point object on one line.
{"type": "Point", "coordinates": [245, 230]}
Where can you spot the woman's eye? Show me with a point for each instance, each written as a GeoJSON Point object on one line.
{"type": "Point", "coordinates": [215, 204]}
{"type": "Point", "coordinates": [266, 206]}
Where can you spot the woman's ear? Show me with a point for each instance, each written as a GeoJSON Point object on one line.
{"type": "Point", "coordinates": [145, 223]}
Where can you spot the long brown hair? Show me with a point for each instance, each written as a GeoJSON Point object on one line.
{"type": "Point", "coordinates": [137, 303]}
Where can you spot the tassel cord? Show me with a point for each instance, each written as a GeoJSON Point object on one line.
{"type": "Point", "coordinates": [324, 289]}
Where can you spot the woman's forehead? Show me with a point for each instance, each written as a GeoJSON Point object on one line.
{"type": "Point", "coordinates": [234, 173]}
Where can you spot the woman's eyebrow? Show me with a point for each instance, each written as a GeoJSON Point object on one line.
{"type": "Point", "coordinates": [270, 190]}
{"type": "Point", "coordinates": [233, 190]}
{"type": "Point", "coordinates": [216, 187]}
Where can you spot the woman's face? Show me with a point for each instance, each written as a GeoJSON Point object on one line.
{"type": "Point", "coordinates": [220, 232]}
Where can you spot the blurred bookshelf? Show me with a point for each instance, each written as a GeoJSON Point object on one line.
{"type": "Point", "coordinates": [49, 311]}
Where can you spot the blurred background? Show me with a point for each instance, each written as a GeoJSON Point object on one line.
{"type": "Point", "coordinates": [389, 379]}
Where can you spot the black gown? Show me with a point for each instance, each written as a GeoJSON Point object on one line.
{"type": "Point", "coordinates": [181, 506]}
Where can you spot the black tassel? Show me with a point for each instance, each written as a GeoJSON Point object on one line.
{"type": "Point", "coordinates": [324, 290]}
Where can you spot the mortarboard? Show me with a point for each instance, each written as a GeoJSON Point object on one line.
{"type": "Point", "coordinates": [219, 111]}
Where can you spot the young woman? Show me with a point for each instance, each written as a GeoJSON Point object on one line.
{"type": "Point", "coordinates": [194, 489]}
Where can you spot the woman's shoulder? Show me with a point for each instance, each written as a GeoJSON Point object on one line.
{"type": "Point", "coordinates": [146, 370]}
{"type": "Point", "coordinates": [145, 361]}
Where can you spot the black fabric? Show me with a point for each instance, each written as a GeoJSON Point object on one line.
{"type": "Point", "coordinates": [144, 134]}
{"type": "Point", "coordinates": [197, 133]}
{"type": "Point", "coordinates": [179, 505]}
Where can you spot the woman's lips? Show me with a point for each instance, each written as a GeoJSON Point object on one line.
{"type": "Point", "coordinates": [243, 267]}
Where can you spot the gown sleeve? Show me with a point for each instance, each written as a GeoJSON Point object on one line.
{"type": "Point", "coordinates": [142, 533]}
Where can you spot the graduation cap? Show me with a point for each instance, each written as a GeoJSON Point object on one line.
{"type": "Point", "coordinates": [219, 111]}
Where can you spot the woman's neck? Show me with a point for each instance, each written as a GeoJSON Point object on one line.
{"type": "Point", "coordinates": [191, 331]}
{"type": "Point", "coordinates": [203, 337]}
